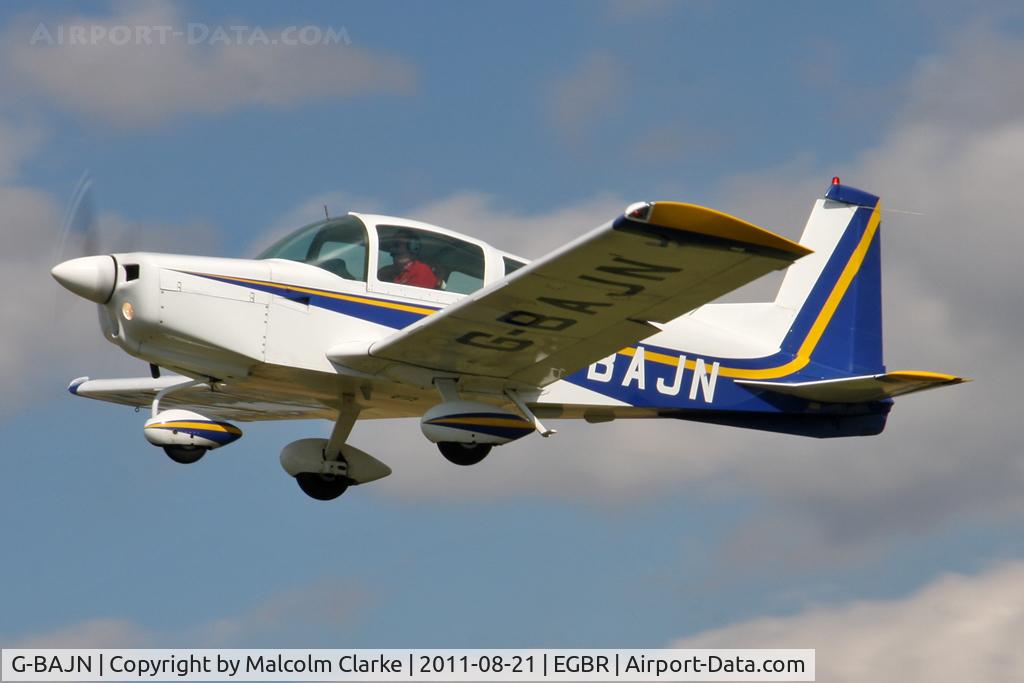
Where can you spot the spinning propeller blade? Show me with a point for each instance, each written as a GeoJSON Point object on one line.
{"type": "Point", "coordinates": [80, 226]}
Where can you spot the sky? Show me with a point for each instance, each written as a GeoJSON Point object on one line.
{"type": "Point", "coordinates": [525, 125]}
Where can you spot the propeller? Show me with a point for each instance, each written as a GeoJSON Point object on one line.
{"type": "Point", "coordinates": [82, 262]}
{"type": "Point", "coordinates": [84, 234]}
{"type": "Point", "coordinates": [88, 276]}
{"type": "Point", "coordinates": [80, 225]}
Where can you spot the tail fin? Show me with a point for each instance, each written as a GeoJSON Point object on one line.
{"type": "Point", "coordinates": [833, 297]}
{"type": "Point", "coordinates": [820, 341]}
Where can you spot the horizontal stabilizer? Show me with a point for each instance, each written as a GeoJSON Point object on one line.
{"type": "Point", "coordinates": [859, 389]}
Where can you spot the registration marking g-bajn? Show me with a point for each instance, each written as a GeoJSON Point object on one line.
{"type": "Point", "coordinates": [529, 320]}
{"type": "Point", "coordinates": [703, 380]}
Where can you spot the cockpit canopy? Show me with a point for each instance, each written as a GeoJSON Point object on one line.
{"type": "Point", "coordinates": [337, 245]}
{"type": "Point", "coordinates": [405, 254]}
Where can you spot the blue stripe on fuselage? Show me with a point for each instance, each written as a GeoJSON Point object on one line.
{"type": "Point", "coordinates": [371, 309]}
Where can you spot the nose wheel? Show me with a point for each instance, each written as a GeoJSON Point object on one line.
{"type": "Point", "coordinates": [326, 468]}
{"type": "Point", "coordinates": [322, 486]}
{"type": "Point", "coordinates": [463, 454]}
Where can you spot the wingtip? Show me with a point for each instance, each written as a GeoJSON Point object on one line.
{"type": "Point", "coordinates": [76, 383]}
{"type": "Point", "coordinates": [926, 376]}
{"type": "Point", "coordinates": [713, 223]}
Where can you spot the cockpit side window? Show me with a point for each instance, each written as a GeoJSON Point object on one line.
{"type": "Point", "coordinates": [512, 265]}
{"type": "Point", "coordinates": [337, 245]}
{"type": "Point", "coordinates": [420, 258]}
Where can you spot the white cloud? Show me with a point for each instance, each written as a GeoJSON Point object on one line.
{"type": "Point", "coordinates": [326, 604]}
{"type": "Point", "coordinates": [32, 324]}
{"type": "Point", "coordinates": [957, 628]}
{"type": "Point", "coordinates": [91, 633]}
{"type": "Point", "coordinates": [590, 92]}
{"type": "Point", "coordinates": [968, 87]}
{"type": "Point", "coordinates": [138, 84]}
{"type": "Point", "coordinates": [17, 143]}
{"type": "Point", "coordinates": [52, 336]}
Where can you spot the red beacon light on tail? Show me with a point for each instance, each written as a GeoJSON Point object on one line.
{"type": "Point", "coordinates": [835, 180]}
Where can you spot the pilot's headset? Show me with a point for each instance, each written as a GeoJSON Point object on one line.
{"type": "Point", "coordinates": [411, 240]}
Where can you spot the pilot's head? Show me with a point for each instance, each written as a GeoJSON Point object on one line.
{"type": "Point", "coordinates": [404, 246]}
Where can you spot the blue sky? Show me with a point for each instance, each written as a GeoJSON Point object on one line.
{"type": "Point", "coordinates": [525, 124]}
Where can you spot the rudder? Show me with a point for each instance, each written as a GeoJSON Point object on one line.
{"type": "Point", "coordinates": [835, 294]}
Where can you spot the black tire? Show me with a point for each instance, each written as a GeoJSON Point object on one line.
{"type": "Point", "coordinates": [463, 454]}
{"type": "Point", "coordinates": [186, 455]}
{"type": "Point", "coordinates": [321, 486]}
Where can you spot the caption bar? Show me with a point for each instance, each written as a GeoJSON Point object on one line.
{"type": "Point", "coordinates": [412, 665]}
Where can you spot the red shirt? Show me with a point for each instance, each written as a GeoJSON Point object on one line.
{"type": "Point", "coordinates": [417, 274]}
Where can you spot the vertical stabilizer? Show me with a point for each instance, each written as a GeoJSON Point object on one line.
{"type": "Point", "coordinates": [834, 296]}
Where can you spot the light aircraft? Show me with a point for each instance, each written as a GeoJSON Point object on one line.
{"type": "Point", "coordinates": [370, 317]}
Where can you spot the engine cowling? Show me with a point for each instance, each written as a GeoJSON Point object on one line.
{"type": "Point", "coordinates": [471, 422]}
{"type": "Point", "coordinates": [185, 428]}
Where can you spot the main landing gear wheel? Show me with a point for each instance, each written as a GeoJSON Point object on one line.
{"type": "Point", "coordinates": [463, 454]}
{"type": "Point", "coordinates": [321, 486]}
{"type": "Point", "coordinates": [186, 455]}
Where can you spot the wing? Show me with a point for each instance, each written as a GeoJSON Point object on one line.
{"type": "Point", "coordinates": [226, 402]}
{"type": "Point", "coordinates": [859, 389]}
{"type": "Point", "coordinates": [591, 297]}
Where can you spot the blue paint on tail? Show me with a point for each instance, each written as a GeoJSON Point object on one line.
{"type": "Point", "coordinates": [847, 293]}
{"type": "Point", "coordinates": [852, 342]}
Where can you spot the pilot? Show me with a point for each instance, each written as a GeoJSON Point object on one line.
{"type": "Point", "coordinates": [406, 268]}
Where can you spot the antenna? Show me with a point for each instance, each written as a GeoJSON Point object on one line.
{"type": "Point", "coordinates": [326, 215]}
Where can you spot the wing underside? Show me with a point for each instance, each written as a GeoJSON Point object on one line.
{"type": "Point", "coordinates": [225, 402]}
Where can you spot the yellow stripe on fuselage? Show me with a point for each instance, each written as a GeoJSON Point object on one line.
{"type": "Point", "coordinates": [803, 355]}
{"type": "Point", "coordinates": [334, 295]}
